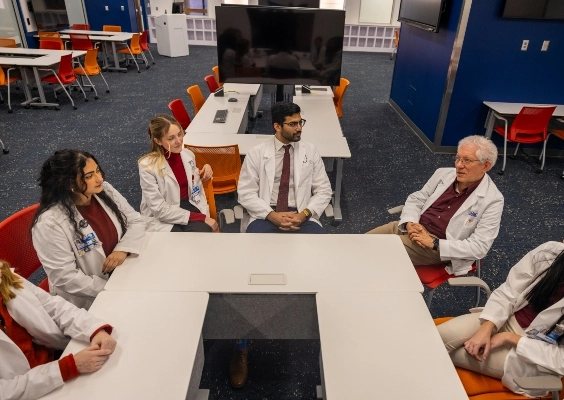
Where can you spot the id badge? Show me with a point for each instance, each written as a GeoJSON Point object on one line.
{"type": "Point", "coordinates": [89, 242]}
{"type": "Point", "coordinates": [540, 333]}
{"type": "Point", "coordinates": [196, 194]}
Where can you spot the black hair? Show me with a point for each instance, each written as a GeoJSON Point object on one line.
{"type": "Point", "coordinates": [539, 296]}
{"type": "Point", "coordinates": [283, 109]}
{"type": "Point", "coordinates": [58, 182]}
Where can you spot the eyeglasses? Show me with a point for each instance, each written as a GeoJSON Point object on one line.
{"type": "Point", "coordinates": [465, 161]}
{"type": "Point", "coordinates": [295, 124]}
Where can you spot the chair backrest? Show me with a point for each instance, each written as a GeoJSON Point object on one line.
{"type": "Point", "coordinates": [215, 70]}
{"type": "Point", "coordinates": [197, 97]}
{"type": "Point", "coordinates": [66, 71]}
{"type": "Point", "coordinates": [208, 190]}
{"type": "Point", "coordinates": [177, 108]}
{"type": "Point", "coordinates": [83, 27]}
{"type": "Point", "coordinates": [50, 45]}
{"type": "Point", "coordinates": [396, 37]}
{"type": "Point", "coordinates": [3, 79]}
{"type": "Point", "coordinates": [8, 42]}
{"type": "Point", "coordinates": [225, 162]}
{"type": "Point", "coordinates": [111, 28]}
{"type": "Point", "coordinates": [16, 246]}
{"type": "Point", "coordinates": [339, 94]}
{"type": "Point", "coordinates": [212, 83]}
{"type": "Point", "coordinates": [143, 41]}
{"type": "Point", "coordinates": [531, 121]}
{"type": "Point", "coordinates": [91, 66]}
{"type": "Point", "coordinates": [80, 41]}
{"type": "Point", "coordinates": [134, 44]}
{"type": "Point", "coordinates": [51, 36]}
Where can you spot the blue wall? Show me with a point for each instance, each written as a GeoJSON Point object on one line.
{"type": "Point", "coordinates": [421, 69]}
{"type": "Point", "coordinates": [98, 16]}
{"type": "Point", "coordinates": [493, 67]}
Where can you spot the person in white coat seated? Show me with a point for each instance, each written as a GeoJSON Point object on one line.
{"type": "Point", "coordinates": [521, 326]}
{"type": "Point", "coordinates": [456, 216]}
{"type": "Point", "coordinates": [283, 184]}
{"type": "Point", "coordinates": [33, 324]}
{"type": "Point", "coordinates": [83, 227]}
{"type": "Point", "coordinates": [171, 184]}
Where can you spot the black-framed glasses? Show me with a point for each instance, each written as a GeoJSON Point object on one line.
{"type": "Point", "coordinates": [294, 125]}
{"type": "Point", "coordinates": [465, 161]}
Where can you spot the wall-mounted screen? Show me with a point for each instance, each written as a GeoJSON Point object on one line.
{"type": "Point", "coordinates": [534, 9]}
{"type": "Point", "coordinates": [50, 15]}
{"type": "Point", "coordinates": [288, 46]}
{"type": "Point", "coordinates": [290, 3]}
{"type": "Point", "coordinates": [424, 14]}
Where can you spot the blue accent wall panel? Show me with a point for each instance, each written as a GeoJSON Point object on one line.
{"type": "Point", "coordinates": [493, 68]}
{"type": "Point", "coordinates": [98, 16]}
{"type": "Point", "coordinates": [421, 69]}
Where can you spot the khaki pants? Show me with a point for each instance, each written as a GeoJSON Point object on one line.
{"type": "Point", "coordinates": [417, 254]}
{"type": "Point", "coordinates": [458, 330]}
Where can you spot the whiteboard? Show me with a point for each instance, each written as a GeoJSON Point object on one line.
{"type": "Point", "coordinates": [375, 11]}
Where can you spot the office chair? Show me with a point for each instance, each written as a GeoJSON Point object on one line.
{"type": "Point", "coordinates": [530, 126]}
{"type": "Point", "coordinates": [80, 27]}
{"type": "Point", "coordinates": [111, 28]}
{"type": "Point", "coordinates": [80, 41]}
{"type": "Point", "coordinates": [134, 49]}
{"type": "Point", "coordinates": [559, 133]}
{"type": "Point", "coordinates": [91, 68]}
{"type": "Point", "coordinates": [6, 80]}
{"type": "Point", "coordinates": [215, 70]}
{"type": "Point", "coordinates": [339, 94]}
{"type": "Point", "coordinates": [396, 44]}
{"type": "Point", "coordinates": [212, 83]}
{"type": "Point", "coordinates": [145, 43]}
{"type": "Point", "coordinates": [197, 97]}
{"type": "Point", "coordinates": [8, 42]}
{"type": "Point", "coordinates": [225, 216]}
{"type": "Point", "coordinates": [179, 112]}
{"type": "Point", "coordinates": [64, 77]}
{"type": "Point", "coordinates": [49, 37]}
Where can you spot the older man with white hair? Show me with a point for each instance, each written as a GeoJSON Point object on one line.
{"type": "Point", "coordinates": [455, 217]}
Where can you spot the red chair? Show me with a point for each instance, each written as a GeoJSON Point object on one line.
{"type": "Point", "coordinates": [81, 41]}
{"type": "Point", "coordinates": [16, 246]}
{"type": "Point", "coordinates": [530, 126]}
{"type": "Point", "coordinates": [179, 111]}
{"type": "Point", "coordinates": [49, 45]}
{"type": "Point", "coordinates": [80, 27]}
{"type": "Point", "coordinates": [145, 43]}
{"type": "Point", "coordinates": [212, 83]}
{"type": "Point", "coordinates": [64, 77]}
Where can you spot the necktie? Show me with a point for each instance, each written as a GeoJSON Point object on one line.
{"type": "Point", "coordinates": [284, 189]}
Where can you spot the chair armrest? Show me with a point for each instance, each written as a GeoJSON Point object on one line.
{"type": "Point", "coordinates": [238, 212]}
{"type": "Point", "coordinates": [470, 281]}
{"type": "Point", "coordinates": [544, 382]}
{"type": "Point", "coordinates": [395, 210]}
{"type": "Point", "coordinates": [227, 215]}
{"type": "Point", "coordinates": [496, 115]}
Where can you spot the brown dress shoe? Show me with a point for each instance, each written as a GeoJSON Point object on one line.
{"type": "Point", "coordinates": [238, 371]}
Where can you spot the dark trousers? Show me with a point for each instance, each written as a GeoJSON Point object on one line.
{"type": "Point", "coordinates": [265, 226]}
{"type": "Point", "coordinates": [193, 226]}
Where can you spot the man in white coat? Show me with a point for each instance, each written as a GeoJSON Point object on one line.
{"type": "Point", "coordinates": [283, 184]}
{"type": "Point", "coordinates": [456, 216]}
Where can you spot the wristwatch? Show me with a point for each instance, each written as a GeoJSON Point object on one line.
{"type": "Point", "coordinates": [435, 243]}
{"type": "Point", "coordinates": [307, 213]}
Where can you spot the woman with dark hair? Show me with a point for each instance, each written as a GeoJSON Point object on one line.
{"type": "Point", "coordinates": [83, 228]}
{"type": "Point", "coordinates": [171, 184]}
{"type": "Point", "coordinates": [521, 325]}
{"type": "Point", "coordinates": [32, 325]}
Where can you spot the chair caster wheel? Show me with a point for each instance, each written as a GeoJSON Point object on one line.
{"type": "Point", "coordinates": [107, 91]}
{"type": "Point", "coordinates": [10, 111]}
{"type": "Point", "coordinates": [1, 101]}
{"type": "Point", "coordinates": [147, 67]}
{"type": "Point", "coordinates": [95, 97]}
{"type": "Point", "coordinates": [58, 109]}
{"type": "Point", "coordinates": [5, 151]}
{"type": "Point", "coordinates": [86, 100]}
{"type": "Point", "coordinates": [538, 171]}
{"type": "Point", "coordinates": [501, 172]}
{"type": "Point", "coordinates": [138, 71]}
{"type": "Point", "coordinates": [27, 107]}
{"type": "Point", "coordinates": [34, 108]}
{"type": "Point", "coordinates": [562, 177]}
{"type": "Point", "coordinates": [91, 89]}
{"type": "Point", "coordinates": [153, 63]}
{"type": "Point", "coordinates": [512, 157]}
{"type": "Point", "coordinates": [335, 223]}
{"type": "Point", "coordinates": [74, 107]}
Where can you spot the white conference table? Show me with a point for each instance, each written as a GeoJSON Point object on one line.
{"type": "Point", "coordinates": [383, 345]}
{"type": "Point", "coordinates": [504, 108]}
{"type": "Point", "coordinates": [317, 93]}
{"type": "Point", "coordinates": [157, 336]}
{"type": "Point", "coordinates": [35, 59]}
{"type": "Point", "coordinates": [236, 121]}
{"type": "Point", "coordinates": [311, 264]}
{"type": "Point", "coordinates": [252, 89]}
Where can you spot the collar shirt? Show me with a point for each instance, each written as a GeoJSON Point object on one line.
{"type": "Point", "coordinates": [279, 158]}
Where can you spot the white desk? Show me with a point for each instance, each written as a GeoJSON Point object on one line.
{"type": "Point", "coordinates": [157, 338]}
{"type": "Point", "coordinates": [236, 121]}
{"type": "Point", "coordinates": [315, 94]}
{"type": "Point", "coordinates": [383, 346]}
{"type": "Point", "coordinates": [512, 109]}
{"type": "Point", "coordinates": [254, 90]}
{"type": "Point", "coordinates": [88, 32]}
{"type": "Point", "coordinates": [314, 264]}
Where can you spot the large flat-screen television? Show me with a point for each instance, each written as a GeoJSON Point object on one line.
{"type": "Point", "coordinates": [50, 15]}
{"type": "Point", "coordinates": [279, 45]}
{"type": "Point", "coordinates": [424, 14]}
{"type": "Point", "coordinates": [290, 3]}
{"type": "Point", "coordinates": [534, 9]}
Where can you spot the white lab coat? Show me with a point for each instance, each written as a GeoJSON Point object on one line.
{"type": "Point", "coordinates": [472, 229]}
{"type": "Point", "coordinates": [509, 298]}
{"type": "Point", "coordinates": [77, 276]}
{"type": "Point", "coordinates": [51, 321]}
{"type": "Point", "coordinates": [161, 193]}
{"type": "Point", "coordinates": [311, 184]}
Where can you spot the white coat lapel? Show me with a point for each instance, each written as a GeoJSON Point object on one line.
{"type": "Point", "coordinates": [443, 185]}
{"type": "Point", "coordinates": [299, 154]}
{"type": "Point", "coordinates": [189, 168]}
{"type": "Point", "coordinates": [269, 165]}
{"type": "Point", "coordinates": [473, 198]}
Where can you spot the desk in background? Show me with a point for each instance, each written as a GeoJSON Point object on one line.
{"type": "Point", "coordinates": [236, 121]}
{"type": "Point", "coordinates": [252, 89]}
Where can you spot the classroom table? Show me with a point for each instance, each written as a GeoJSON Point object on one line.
{"type": "Point", "coordinates": [317, 93]}
{"type": "Point", "coordinates": [237, 115]}
{"type": "Point", "coordinates": [503, 108]}
{"type": "Point", "coordinates": [35, 59]}
{"type": "Point", "coordinates": [158, 339]}
{"type": "Point", "coordinates": [252, 89]}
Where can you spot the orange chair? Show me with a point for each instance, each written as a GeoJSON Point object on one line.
{"type": "Point", "coordinates": [225, 162]}
{"type": "Point", "coordinates": [338, 96]}
{"type": "Point", "coordinates": [16, 246]}
{"type": "Point", "coordinates": [5, 80]}
{"type": "Point", "coordinates": [50, 37]}
{"type": "Point", "coordinates": [8, 42]}
{"type": "Point", "coordinates": [530, 126]}
{"type": "Point", "coordinates": [111, 28]}
{"type": "Point", "coordinates": [215, 70]}
{"type": "Point", "coordinates": [212, 83]}
{"type": "Point", "coordinates": [134, 49]}
{"type": "Point", "coordinates": [80, 41]}
{"type": "Point", "coordinates": [559, 133]}
{"type": "Point", "coordinates": [80, 27]}
{"type": "Point", "coordinates": [177, 108]}
{"type": "Point", "coordinates": [91, 68]}
{"type": "Point", "coordinates": [145, 43]}
{"type": "Point", "coordinates": [396, 44]}
{"type": "Point", "coordinates": [197, 97]}
{"type": "Point", "coordinates": [210, 198]}
{"type": "Point", "coordinates": [64, 77]}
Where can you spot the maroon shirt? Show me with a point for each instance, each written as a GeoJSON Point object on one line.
{"type": "Point", "coordinates": [436, 218]}
{"type": "Point", "coordinates": [101, 224]}
{"type": "Point", "coordinates": [526, 315]}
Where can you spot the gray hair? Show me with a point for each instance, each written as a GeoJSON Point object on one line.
{"type": "Point", "coordinates": [486, 150]}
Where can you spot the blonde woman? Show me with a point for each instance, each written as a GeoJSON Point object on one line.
{"type": "Point", "coordinates": [32, 325]}
{"type": "Point", "coordinates": [171, 184]}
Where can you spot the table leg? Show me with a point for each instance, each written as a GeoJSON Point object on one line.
{"type": "Point", "coordinates": [27, 92]}
{"type": "Point", "coordinates": [338, 216]}
{"type": "Point", "coordinates": [116, 66]}
{"type": "Point", "coordinates": [43, 102]}
{"type": "Point", "coordinates": [489, 124]}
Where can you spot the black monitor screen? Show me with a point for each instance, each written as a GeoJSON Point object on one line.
{"type": "Point", "coordinates": [279, 45]}
{"type": "Point", "coordinates": [425, 14]}
{"type": "Point", "coordinates": [534, 9]}
{"type": "Point", "coordinates": [50, 15]}
{"type": "Point", "coordinates": [290, 3]}
{"type": "Point", "coordinates": [178, 7]}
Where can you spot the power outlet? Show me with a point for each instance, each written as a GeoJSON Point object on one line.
{"type": "Point", "coordinates": [525, 45]}
{"type": "Point", "coordinates": [106, 8]}
{"type": "Point", "coordinates": [122, 8]}
{"type": "Point", "coordinates": [545, 45]}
